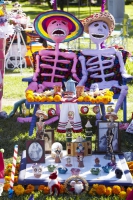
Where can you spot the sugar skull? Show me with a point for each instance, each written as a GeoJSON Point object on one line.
{"type": "Point", "coordinates": [84, 109]}
{"type": "Point", "coordinates": [51, 112]}
{"type": "Point", "coordinates": [37, 170]}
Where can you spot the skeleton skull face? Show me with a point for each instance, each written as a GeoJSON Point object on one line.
{"type": "Point", "coordinates": [98, 32]}
{"type": "Point", "coordinates": [58, 30]}
{"type": "Point", "coordinates": [37, 169]}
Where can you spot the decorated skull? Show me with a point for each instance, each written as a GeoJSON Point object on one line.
{"type": "Point", "coordinates": [84, 109]}
{"type": "Point", "coordinates": [118, 173]}
{"type": "Point", "coordinates": [37, 170]}
{"type": "Point", "coordinates": [51, 112]}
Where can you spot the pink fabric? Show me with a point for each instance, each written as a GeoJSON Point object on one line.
{"type": "Point", "coordinates": [1, 165]}
{"type": "Point", "coordinates": [130, 196]}
{"type": "Point", "coordinates": [2, 56]}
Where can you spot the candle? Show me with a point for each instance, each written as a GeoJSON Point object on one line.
{"type": "Point", "coordinates": [14, 166]}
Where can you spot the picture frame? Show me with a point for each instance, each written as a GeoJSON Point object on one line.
{"type": "Point", "coordinates": [35, 151]}
{"type": "Point", "coordinates": [130, 128]}
{"type": "Point", "coordinates": [102, 140]}
{"type": "Point", "coordinates": [76, 185]}
{"type": "Point", "coordinates": [49, 140]}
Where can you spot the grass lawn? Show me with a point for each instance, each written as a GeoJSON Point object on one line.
{"type": "Point", "coordinates": [12, 132]}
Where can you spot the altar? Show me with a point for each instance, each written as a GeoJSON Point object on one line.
{"type": "Point", "coordinates": [26, 175]}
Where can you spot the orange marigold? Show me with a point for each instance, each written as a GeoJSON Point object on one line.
{"type": "Point", "coordinates": [80, 98]}
{"type": "Point", "coordinates": [46, 190]}
{"type": "Point", "coordinates": [116, 189]}
{"type": "Point", "coordinates": [57, 98]}
{"type": "Point", "coordinates": [129, 189]}
{"type": "Point", "coordinates": [86, 98]}
{"type": "Point", "coordinates": [7, 178]}
{"type": "Point", "coordinates": [108, 191]}
{"type": "Point", "coordinates": [101, 190]}
{"type": "Point", "coordinates": [6, 187]}
{"type": "Point", "coordinates": [28, 191]}
{"type": "Point", "coordinates": [19, 190]}
{"type": "Point", "coordinates": [62, 189]}
{"type": "Point", "coordinates": [30, 187]}
{"type": "Point", "coordinates": [41, 187]}
{"type": "Point", "coordinates": [92, 191]}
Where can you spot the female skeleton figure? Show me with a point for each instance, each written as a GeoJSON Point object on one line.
{"type": "Point", "coordinates": [99, 26]}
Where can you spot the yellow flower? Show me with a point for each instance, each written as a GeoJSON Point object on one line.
{"type": "Point", "coordinates": [7, 178]}
{"type": "Point", "coordinates": [80, 98]}
{"type": "Point", "coordinates": [50, 98]}
{"type": "Point", "coordinates": [9, 166]}
{"type": "Point", "coordinates": [101, 190]}
{"type": "Point", "coordinates": [108, 191]}
{"type": "Point", "coordinates": [92, 191]}
{"type": "Point", "coordinates": [122, 194]}
{"type": "Point", "coordinates": [116, 189]}
{"type": "Point", "coordinates": [43, 98]}
{"type": "Point", "coordinates": [57, 98]}
{"type": "Point", "coordinates": [6, 187]}
{"type": "Point", "coordinates": [95, 186]}
{"type": "Point", "coordinates": [19, 190]}
{"type": "Point", "coordinates": [93, 100]}
{"type": "Point", "coordinates": [86, 98]}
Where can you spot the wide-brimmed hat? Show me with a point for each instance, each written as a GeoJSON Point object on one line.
{"type": "Point", "coordinates": [112, 114]}
{"type": "Point", "coordinates": [101, 16]}
{"type": "Point", "coordinates": [43, 19]}
{"type": "Point", "coordinates": [40, 112]}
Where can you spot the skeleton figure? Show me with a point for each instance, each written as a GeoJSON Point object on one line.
{"type": "Point", "coordinates": [99, 26]}
{"type": "Point", "coordinates": [61, 27]}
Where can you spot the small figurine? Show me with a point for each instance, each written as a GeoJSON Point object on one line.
{"type": "Point", "coordinates": [68, 162]}
{"type": "Point", "coordinates": [80, 150]}
{"type": "Point", "coordinates": [40, 125]}
{"type": "Point", "coordinates": [78, 187]}
{"type": "Point", "coordinates": [53, 184]}
{"type": "Point", "coordinates": [97, 161]}
{"type": "Point", "coordinates": [81, 164]}
{"type": "Point", "coordinates": [58, 156]}
{"type": "Point", "coordinates": [75, 171]}
{"type": "Point", "coordinates": [112, 164]}
{"type": "Point", "coordinates": [54, 147]}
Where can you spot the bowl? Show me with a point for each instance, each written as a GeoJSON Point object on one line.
{"type": "Point", "coordinates": [51, 168]}
{"type": "Point", "coordinates": [95, 171]}
{"type": "Point", "coordinates": [75, 171]}
{"type": "Point", "coordinates": [62, 170]}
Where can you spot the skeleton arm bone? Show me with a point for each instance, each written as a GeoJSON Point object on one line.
{"type": "Point", "coordinates": [84, 71]}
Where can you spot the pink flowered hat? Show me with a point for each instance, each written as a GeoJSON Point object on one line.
{"type": "Point", "coordinates": [101, 16]}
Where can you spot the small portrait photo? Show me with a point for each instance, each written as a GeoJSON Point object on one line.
{"type": "Point", "coordinates": [130, 128]}
{"type": "Point", "coordinates": [49, 139]}
{"type": "Point", "coordinates": [112, 134]}
{"type": "Point", "coordinates": [35, 151]}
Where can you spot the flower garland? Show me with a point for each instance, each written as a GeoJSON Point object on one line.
{"type": "Point", "coordinates": [105, 97]}
{"type": "Point", "coordinates": [41, 97]}
{"type": "Point", "coordinates": [95, 190]}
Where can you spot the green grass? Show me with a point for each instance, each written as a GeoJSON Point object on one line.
{"type": "Point", "coordinates": [12, 132]}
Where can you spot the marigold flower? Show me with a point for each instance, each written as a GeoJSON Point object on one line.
{"type": "Point", "coordinates": [95, 186]}
{"type": "Point", "coordinates": [41, 187]}
{"type": "Point", "coordinates": [87, 98]}
{"type": "Point", "coordinates": [101, 190]}
{"type": "Point", "coordinates": [7, 178]}
{"type": "Point", "coordinates": [116, 189]}
{"type": "Point", "coordinates": [46, 190]}
{"type": "Point", "coordinates": [9, 166]}
{"type": "Point", "coordinates": [92, 191]}
{"type": "Point", "coordinates": [19, 190]}
{"type": "Point", "coordinates": [129, 189]}
{"type": "Point", "coordinates": [6, 187]}
{"type": "Point", "coordinates": [43, 98]}
{"type": "Point", "coordinates": [50, 98]}
{"type": "Point", "coordinates": [122, 194]}
{"type": "Point", "coordinates": [28, 191]}
{"type": "Point", "coordinates": [30, 187]}
{"type": "Point", "coordinates": [62, 188]}
{"type": "Point", "coordinates": [57, 98]}
{"type": "Point", "coordinates": [108, 191]}
{"type": "Point", "coordinates": [80, 98]}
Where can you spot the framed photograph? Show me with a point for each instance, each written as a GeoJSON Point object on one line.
{"type": "Point", "coordinates": [49, 140]}
{"type": "Point", "coordinates": [130, 127]}
{"type": "Point", "coordinates": [35, 151]}
{"type": "Point", "coordinates": [113, 135]}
